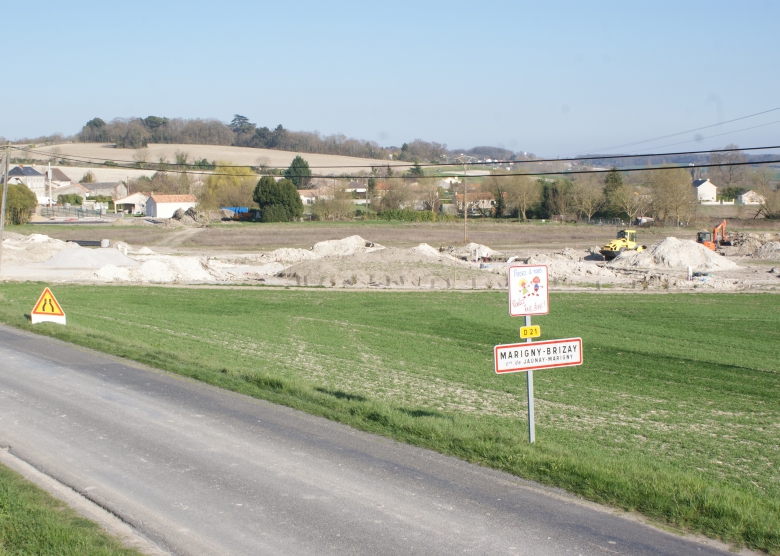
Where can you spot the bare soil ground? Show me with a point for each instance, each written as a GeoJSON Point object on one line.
{"type": "Point", "coordinates": [389, 255]}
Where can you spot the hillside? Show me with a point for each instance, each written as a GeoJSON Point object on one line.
{"type": "Point", "coordinates": [322, 164]}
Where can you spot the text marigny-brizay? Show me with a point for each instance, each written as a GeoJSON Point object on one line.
{"type": "Point", "coordinates": [549, 353]}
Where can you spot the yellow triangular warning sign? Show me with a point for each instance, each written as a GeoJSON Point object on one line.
{"type": "Point", "coordinates": [47, 309]}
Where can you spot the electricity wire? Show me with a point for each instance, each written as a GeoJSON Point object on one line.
{"type": "Point", "coordinates": [160, 165]}
{"type": "Point", "coordinates": [682, 132]}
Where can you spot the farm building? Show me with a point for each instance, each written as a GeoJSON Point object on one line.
{"type": "Point", "coordinates": [57, 178]}
{"type": "Point", "coordinates": [132, 204]}
{"type": "Point", "coordinates": [163, 206]}
{"type": "Point", "coordinates": [115, 190]}
{"type": "Point", "coordinates": [706, 191]}
{"type": "Point", "coordinates": [750, 198]}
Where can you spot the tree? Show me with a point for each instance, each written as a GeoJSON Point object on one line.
{"type": "Point", "coordinates": [88, 177]}
{"type": "Point", "coordinates": [588, 195]}
{"type": "Point", "coordinates": [340, 206]}
{"type": "Point", "coordinates": [416, 171]}
{"type": "Point", "coordinates": [241, 124]}
{"type": "Point", "coordinates": [672, 194]}
{"type": "Point", "coordinates": [627, 200]}
{"type": "Point", "coordinates": [299, 173]}
{"type": "Point", "coordinates": [523, 193]}
{"type": "Point", "coordinates": [556, 196]}
{"type": "Point", "coordinates": [228, 186]}
{"type": "Point", "coordinates": [430, 194]}
{"type": "Point", "coordinates": [278, 201]}
{"type": "Point", "coordinates": [762, 184]}
{"type": "Point", "coordinates": [727, 176]}
{"type": "Point", "coordinates": [19, 203]}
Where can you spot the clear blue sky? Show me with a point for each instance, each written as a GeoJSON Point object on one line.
{"type": "Point", "coordinates": [552, 78]}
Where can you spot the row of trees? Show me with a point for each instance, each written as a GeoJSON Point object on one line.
{"type": "Point", "coordinates": [138, 132]}
{"type": "Point", "coordinates": [666, 194]}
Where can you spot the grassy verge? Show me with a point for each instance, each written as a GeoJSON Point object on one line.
{"type": "Point", "coordinates": [674, 413]}
{"type": "Point", "coordinates": [32, 522]}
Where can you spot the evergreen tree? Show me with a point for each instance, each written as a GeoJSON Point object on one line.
{"type": "Point", "coordinates": [278, 201]}
{"type": "Point", "coordinates": [299, 173]}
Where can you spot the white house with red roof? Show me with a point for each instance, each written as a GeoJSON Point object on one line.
{"type": "Point", "coordinates": [163, 206]}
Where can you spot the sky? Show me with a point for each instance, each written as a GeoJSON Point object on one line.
{"type": "Point", "coordinates": [551, 78]}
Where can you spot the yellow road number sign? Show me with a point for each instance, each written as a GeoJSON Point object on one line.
{"type": "Point", "coordinates": [530, 332]}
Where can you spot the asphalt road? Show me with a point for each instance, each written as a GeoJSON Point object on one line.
{"type": "Point", "coordinates": [202, 471]}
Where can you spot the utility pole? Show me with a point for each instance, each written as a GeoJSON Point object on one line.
{"type": "Point", "coordinates": [465, 160]}
{"type": "Point", "coordinates": [5, 195]}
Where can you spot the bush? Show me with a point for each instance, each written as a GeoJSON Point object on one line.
{"type": "Point", "coordinates": [409, 215]}
{"type": "Point", "coordinates": [71, 198]}
{"type": "Point", "coordinates": [20, 203]}
{"type": "Point", "coordinates": [274, 213]}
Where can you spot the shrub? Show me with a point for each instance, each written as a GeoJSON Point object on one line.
{"type": "Point", "coordinates": [19, 203]}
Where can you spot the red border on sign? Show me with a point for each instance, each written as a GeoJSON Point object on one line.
{"type": "Point", "coordinates": [509, 288]}
{"type": "Point", "coordinates": [35, 310]}
{"type": "Point", "coordinates": [536, 344]}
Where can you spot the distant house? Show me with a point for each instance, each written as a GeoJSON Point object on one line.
{"type": "Point", "coordinates": [163, 206]}
{"type": "Point", "coordinates": [132, 204]}
{"type": "Point", "coordinates": [115, 190]}
{"type": "Point", "coordinates": [57, 178]}
{"type": "Point", "coordinates": [30, 177]}
{"type": "Point", "coordinates": [706, 191]}
{"type": "Point", "coordinates": [356, 187]}
{"type": "Point", "coordinates": [308, 196]}
{"type": "Point", "coordinates": [750, 198]}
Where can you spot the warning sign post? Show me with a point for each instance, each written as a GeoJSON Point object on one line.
{"type": "Point", "coordinates": [47, 309]}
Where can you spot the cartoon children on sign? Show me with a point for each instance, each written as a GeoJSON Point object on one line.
{"type": "Point", "coordinates": [530, 289]}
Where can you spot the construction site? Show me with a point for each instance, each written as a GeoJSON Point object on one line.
{"type": "Point", "coordinates": [185, 250]}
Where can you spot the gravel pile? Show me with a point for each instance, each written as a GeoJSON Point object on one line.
{"type": "Point", "coordinates": [673, 253]}
{"type": "Point", "coordinates": [84, 257]}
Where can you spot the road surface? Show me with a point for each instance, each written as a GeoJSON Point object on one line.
{"type": "Point", "coordinates": [199, 470]}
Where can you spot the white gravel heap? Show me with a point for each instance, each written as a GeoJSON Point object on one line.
{"type": "Point", "coordinates": [344, 247]}
{"type": "Point", "coordinates": [84, 257]}
{"type": "Point", "coordinates": [673, 253]}
{"type": "Point", "coordinates": [31, 249]}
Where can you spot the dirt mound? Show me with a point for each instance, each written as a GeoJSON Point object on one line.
{"type": "Point", "coordinates": [569, 263]}
{"type": "Point", "coordinates": [167, 270]}
{"type": "Point", "coordinates": [344, 247]}
{"type": "Point", "coordinates": [769, 251]}
{"type": "Point", "coordinates": [391, 267]}
{"type": "Point", "coordinates": [83, 257]}
{"type": "Point", "coordinates": [748, 244]}
{"type": "Point", "coordinates": [673, 253]}
{"type": "Point", "coordinates": [34, 248]}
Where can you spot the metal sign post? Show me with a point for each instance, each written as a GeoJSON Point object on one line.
{"type": "Point", "coordinates": [529, 380]}
{"type": "Point", "coordinates": [529, 295]}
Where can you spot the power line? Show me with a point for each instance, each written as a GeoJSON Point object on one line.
{"type": "Point", "coordinates": [718, 135]}
{"type": "Point", "coordinates": [683, 132]}
{"type": "Point", "coordinates": [161, 166]}
{"type": "Point", "coordinates": [532, 174]}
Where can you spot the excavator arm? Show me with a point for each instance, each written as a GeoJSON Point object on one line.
{"type": "Point", "coordinates": [720, 228]}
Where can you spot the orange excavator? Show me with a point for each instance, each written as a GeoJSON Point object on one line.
{"type": "Point", "coordinates": [710, 240]}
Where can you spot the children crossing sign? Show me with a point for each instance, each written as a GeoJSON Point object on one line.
{"type": "Point", "coordinates": [47, 309]}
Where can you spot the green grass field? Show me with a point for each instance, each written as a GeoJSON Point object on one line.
{"type": "Point", "coordinates": [32, 522]}
{"type": "Point", "coordinates": [674, 414]}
